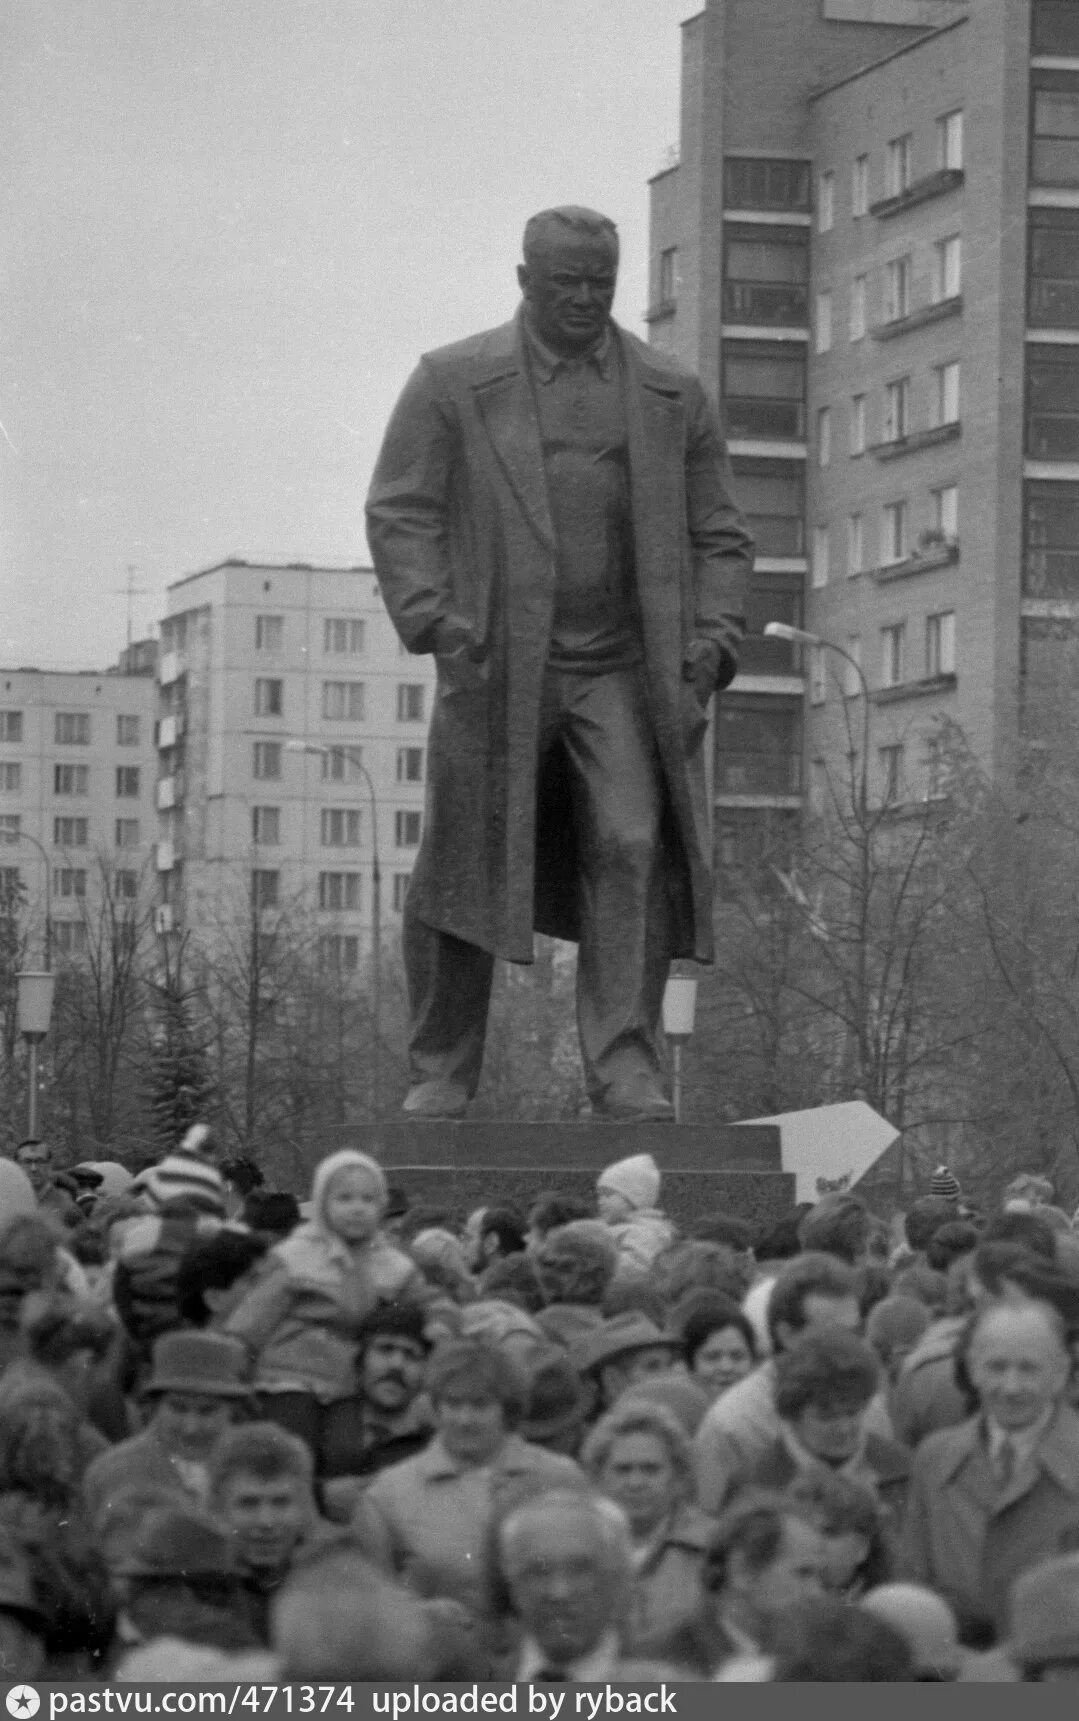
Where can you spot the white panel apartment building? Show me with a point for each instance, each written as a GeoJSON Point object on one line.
{"type": "Point", "coordinates": [77, 770]}
{"type": "Point", "coordinates": [274, 682]}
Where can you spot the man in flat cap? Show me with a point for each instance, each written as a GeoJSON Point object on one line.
{"type": "Point", "coordinates": [551, 517]}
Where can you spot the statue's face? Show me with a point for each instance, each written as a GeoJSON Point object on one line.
{"type": "Point", "coordinates": [568, 284]}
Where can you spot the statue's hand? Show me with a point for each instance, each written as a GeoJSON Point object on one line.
{"type": "Point", "coordinates": [454, 636]}
{"type": "Point", "coordinates": [708, 667]}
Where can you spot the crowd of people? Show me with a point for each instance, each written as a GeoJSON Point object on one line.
{"type": "Point", "coordinates": [361, 1438]}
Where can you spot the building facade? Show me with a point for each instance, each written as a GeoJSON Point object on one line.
{"type": "Point", "coordinates": [292, 750]}
{"type": "Point", "coordinates": [869, 251]}
{"type": "Point", "coordinates": [77, 781]}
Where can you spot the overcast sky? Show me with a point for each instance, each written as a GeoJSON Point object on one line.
{"type": "Point", "coordinates": [227, 230]}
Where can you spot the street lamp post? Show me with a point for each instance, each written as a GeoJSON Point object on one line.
{"type": "Point", "coordinates": [802, 636]}
{"type": "Point", "coordinates": [352, 754]}
{"type": "Point", "coordinates": [33, 1012]}
{"type": "Point", "coordinates": [679, 1013]}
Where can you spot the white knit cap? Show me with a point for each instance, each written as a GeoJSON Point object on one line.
{"type": "Point", "coordinates": [636, 1178]}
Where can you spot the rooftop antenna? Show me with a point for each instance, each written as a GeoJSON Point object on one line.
{"type": "Point", "coordinates": [131, 591]}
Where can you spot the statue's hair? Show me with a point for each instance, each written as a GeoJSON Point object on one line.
{"type": "Point", "coordinates": [554, 224]}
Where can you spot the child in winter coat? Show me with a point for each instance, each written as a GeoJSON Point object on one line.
{"type": "Point", "coordinates": [301, 1318]}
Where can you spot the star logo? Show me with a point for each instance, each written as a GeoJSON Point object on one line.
{"type": "Point", "coordinates": [23, 1701]}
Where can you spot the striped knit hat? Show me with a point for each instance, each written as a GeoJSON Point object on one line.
{"type": "Point", "coordinates": [945, 1183]}
{"type": "Point", "coordinates": [185, 1175]}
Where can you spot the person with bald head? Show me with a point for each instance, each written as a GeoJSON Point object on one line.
{"type": "Point", "coordinates": [565, 1558]}
{"type": "Point", "coordinates": [996, 1494]}
{"type": "Point", "coordinates": [551, 518]}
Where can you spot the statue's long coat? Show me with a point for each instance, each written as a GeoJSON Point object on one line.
{"type": "Point", "coordinates": [460, 528]}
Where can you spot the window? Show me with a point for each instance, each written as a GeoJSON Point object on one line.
{"type": "Point", "coordinates": [892, 653]}
{"type": "Point", "coordinates": [10, 886]}
{"type": "Point", "coordinates": [1053, 269]}
{"type": "Point", "coordinates": [897, 290]}
{"type": "Point", "coordinates": [824, 322]}
{"type": "Point", "coordinates": [338, 890]}
{"type": "Point", "coordinates": [127, 782]}
{"type": "Point", "coordinates": [764, 386]}
{"type": "Point", "coordinates": [826, 203]}
{"type": "Point", "coordinates": [897, 409]}
{"type": "Point", "coordinates": [1055, 27]}
{"type": "Point", "coordinates": [752, 184]}
{"type": "Point", "coordinates": [821, 556]}
{"type": "Point", "coordinates": [1052, 419]}
{"type": "Point", "coordinates": [891, 772]}
{"type": "Point", "coordinates": [10, 777]}
{"type": "Point", "coordinates": [266, 825]}
{"type": "Point", "coordinates": [71, 779]}
{"type": "Point", "coordinates": [1051, 541]}
{"type": "Point", "coordinates": [950, 140]}
{"type": "Point", "coordinates": [71, 833]}
{"type": "Point", "coordinates": [342, 764]}
{"type": "Point", "coordinates": [772, 495]}
{"type": "Point", "coordinates": [859, 186]}
{"type": "Point", "coordinates": [343, 701]}
{"type": "Point", "coordinates": [946, 511]}
{"type": "Point", "coordinates": [72, 729]}
{"type": "Point", "coordinates": [893, 546]}
{"type": "Point", "coordinates": [266, 761]}
{"type": "Point", "coordinates": [11, 726]}
{"type": "Point", "coordinates": [857, 307]}
{"type": "Point", "coordinates": [69, 881]}
{"type": "Point", "coordinates": [127, 833]}
{"type": "Point", "coordinates": [759, 746]}
{"type": "Point", "coordinates": [940, 643]}
{"type": "Point", "coordinates": [400, 890]}
{"type": "Point", "coordinates": [855, 544]}
{"type": "Point", "coordinates": [69, 937]}
{"type": "Point", "coordinates": [11, 828]}
{"type": "Point", "coordinates": [936, 769]}
{"type": "Point", "coordinates": [947, 268]}
{"type": "Point", "coordinates": [125, 884]}
{"type": "Point", "coordinates": [818, 675]}
{"type": "Point", "coordinates": [824, 436]}
{"type": "Point", "coordinates": [766, 275]}
{"type": "Point", "coordinates": [269, 632]}
{"type": "Point", "coordinates": [771, 597]}
{"type": "Point", "coordinates": [897, 161]}
{"type": "Point", "coordinates": [667, 261]}
{"type": "Point", "coordinates": [1054, 158]}
{"type": "Point", "coordinates": [946, 393]}
{"type": "Point", "coordinates": [852, 681]}
{"type": "Point", "coordinates": [265, 888]}
{"type": "Point", "coordinates": [407, 830]}
{"type": "Point", "coordinates": [338, 952]}
{"type": "Point", "coordinates": [269, 698]}
{"type": "Point", "coordinates": [857, 424]}
{"type": "Point", "coordinates": [343, 636]}
{"type": "Point", "coordinates": [127, 731]}
{"type": "Point", "coordinates": [410, 702]}
{"type": "Point", "coordinates": [340, 827]}
{"type": "Point", "coordinates": [410, 764]}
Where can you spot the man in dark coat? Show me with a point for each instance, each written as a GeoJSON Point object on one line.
{"type": "Point", "coordinates": [551, 517]}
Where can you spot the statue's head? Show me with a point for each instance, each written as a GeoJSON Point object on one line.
{"type": "Point", "coordinates": [568, 276]}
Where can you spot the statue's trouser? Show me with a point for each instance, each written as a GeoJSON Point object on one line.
{"type": "Point", "coordinates": [602, 723]}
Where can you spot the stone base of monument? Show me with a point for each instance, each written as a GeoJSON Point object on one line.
{"type": "Point", "coordinates": [706, 1169]}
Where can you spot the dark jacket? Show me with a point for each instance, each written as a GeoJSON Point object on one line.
{"type": "Point", "coordinates": [883, 1469]}
{"type": "Point", "coordinates": [460, 532]}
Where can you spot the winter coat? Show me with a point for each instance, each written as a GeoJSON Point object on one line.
{"type": "Point", "coordinates": [640, 1238]}
{"type": "Point", "coordinates": [970, 1540]}
{"type": "Point", "coordinates": [666, 1592]}
{"type": "Point", "coordinates": [460, 530]}
{"type": "Point", "coordinates": [926, 1398]}
{"type": "Point", "coordinates": [140, 1462]}
{"type": "Point", "coordinates": [882, 1469]}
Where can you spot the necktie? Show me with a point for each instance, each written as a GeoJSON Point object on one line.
{"type": "Point", "coordinates": [1005, 1463]}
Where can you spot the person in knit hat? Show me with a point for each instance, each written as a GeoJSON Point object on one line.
{"type": "Point", "coordinates": [627, 1195]}
{"type": "Point", "coordinates": [186, 1174]}
{"type": "Point", "coordinates": [945, 1185]}
{"type": "Point", "coordinates": [301, 1319]}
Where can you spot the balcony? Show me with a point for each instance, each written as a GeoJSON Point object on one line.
{"type": "Point", "coordinates": [938, 312]}
{"type": "Point", "coordinates": [166, 857]}
{"type": "Point", "coordinates": [933, 185]}
{"type": "Point", "coordinates": [930, 554]}
{"type": "Point", "coordinates": [170, 791]}
{"type": "Point", "coordinates": [917, 440]}
{"type": "Point", "coordinates": [764, 303]}
{"type": "Point", "coordinates": [920, 689]}
{"type": "Point", "coordinates": [170, 730]}
{"type": "Point", "coordinates": [169, 668]}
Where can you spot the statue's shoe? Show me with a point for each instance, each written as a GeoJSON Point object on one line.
{"type": "Point", "coordinates": [641, 1103]}
{"type": "Point", "coordinates": [434, 1100]}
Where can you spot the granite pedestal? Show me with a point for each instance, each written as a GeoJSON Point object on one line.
{"type": "Point", "coordinates": [707, 1169]}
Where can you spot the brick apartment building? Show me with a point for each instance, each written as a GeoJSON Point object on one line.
{"type": "Point", "coordinates": [292, 737]}
{"type": "Point", "coordinates": [869, 250]}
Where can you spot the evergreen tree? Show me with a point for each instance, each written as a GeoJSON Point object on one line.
{"type": "Point", "coordinates": [181, 1086]}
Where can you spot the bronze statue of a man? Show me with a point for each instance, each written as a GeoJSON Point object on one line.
{"type": "Point", "coordinates": [551, 516]}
